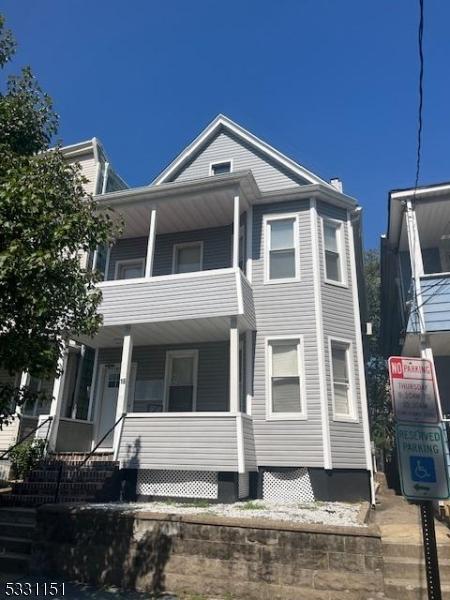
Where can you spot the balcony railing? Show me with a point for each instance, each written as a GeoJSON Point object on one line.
{"type": "Point", "coordinates": [435, 303]}
{"type": "Point", "coordinates": [202, 294]}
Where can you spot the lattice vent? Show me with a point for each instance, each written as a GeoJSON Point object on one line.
{"type": "Point", "coordinates": [177, 484]}
{"type": "Point", "coordinates": [244, 485]}
{"type": "Point", "coordinates": [287, 486]}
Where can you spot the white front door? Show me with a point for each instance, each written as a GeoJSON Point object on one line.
{"type": "Point", "coordinates": [108, 402]}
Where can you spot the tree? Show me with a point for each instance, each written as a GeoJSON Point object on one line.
{"type": "Point", "coordinates": [47, 221]}
{"type": "Point", "coordinates": [380, 408]}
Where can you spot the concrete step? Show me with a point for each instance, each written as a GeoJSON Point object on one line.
{"type": "Point", "coordinates": [402, 589]}
{"type": "Point", "coordinates": [23, 531]}
{"type": "Point", "coordinates": [13, 562]}
{"type": "Point", "coordinates": [14, 545]}
{"type": "Point", "coordinates": [404, 550]}
{"type": "Point", "coordinates": [29, 500]}
{"type": "Point", "coordinates": [25, 516]}
{"type": "Point", "coordinates": [413, 569]}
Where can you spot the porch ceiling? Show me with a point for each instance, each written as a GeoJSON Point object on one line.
{"type": "Point", "coordinates": [180, 207]}
{"type": "Point", "coordinates": [433, 222]}
{"type": "Point", "coordinates": [167, 332]}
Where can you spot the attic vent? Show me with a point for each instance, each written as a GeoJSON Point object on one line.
{"type": "Point", "coordinates": [220, 168]}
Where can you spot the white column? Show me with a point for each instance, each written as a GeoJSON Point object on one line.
{"type": "Point", "coordinates": [234, 366]}
{"type": "Point", "coordinates": [151, 244]}
{"type": "Point", "coordinates": [78, 382]}
{"type": "Point", "coordinates": [24, 382]}
{"type": "Point", "coordinates": [249, 243]}
{"type": "Point", "coordinates": [58, 394]}
{"type": "Point", "coordinates": [249, 370]}
{"type": "Point", "coordinates": [415, 256]}
{"type": "Point", "coordinates": [93, 383]}
{"type": "Point", "coordinates": [124, 383]}
{"type": "Point", "coordinates": [236, 232]}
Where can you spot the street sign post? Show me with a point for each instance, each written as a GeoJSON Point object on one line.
{"type": "Point", "coordinates": [422, 462]}
{"type": "Point", "coordinates": [413, 390]}
{"type": "Point", "coordinates": [421, 447]}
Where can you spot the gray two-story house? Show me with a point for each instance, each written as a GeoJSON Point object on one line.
{"type": "Point", "coordinates": [230, 359]}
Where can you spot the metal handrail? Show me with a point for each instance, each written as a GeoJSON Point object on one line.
{"type": "Point", "coordinates": [26, 437]}
{"type": "Point", "coordinates": [77, 470]}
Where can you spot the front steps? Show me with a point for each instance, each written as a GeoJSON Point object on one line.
{"type": "Point", "coordinates": [95, 481]}
{"type": "Point", "coordinates": [403, 556]}
{"type": "Point", "coordinates": [17, 527]}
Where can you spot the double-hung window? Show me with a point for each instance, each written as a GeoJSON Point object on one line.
{"type": "Point", "coordinates": [285, 379]}
{"type": "Point", "coordinates": [333, 250]}
{"type": "Point", "coordinates": [129, 269]}
{"type": "Point", "coordinates": [181, 380]}
{"type": "Point", "coordinates": [281, 249]}
{"type": "Point", "coordinates": [187, 258]}
{"type": "Point", "coordinates": [341, 375]}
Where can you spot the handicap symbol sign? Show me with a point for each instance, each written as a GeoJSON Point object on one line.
{"type": "Point", "coordinates": [422, 469]}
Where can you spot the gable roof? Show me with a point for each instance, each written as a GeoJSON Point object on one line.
{"type": "Point", "coordinates": [221, 122]}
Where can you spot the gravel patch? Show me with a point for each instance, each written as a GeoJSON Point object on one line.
{"type": "Point", "coordinates": [326, 513]}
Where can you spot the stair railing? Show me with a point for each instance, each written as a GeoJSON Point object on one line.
{"type": "Point", "coordinates": [29, 434]}
{"type": "Point", "coordinates": [91, 453]}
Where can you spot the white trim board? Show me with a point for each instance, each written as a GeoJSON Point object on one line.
{"type": "Point", "coordinates": [223, 122]}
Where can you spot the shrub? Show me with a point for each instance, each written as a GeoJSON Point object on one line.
{"type": "Point", "coordinates": [26, 456]}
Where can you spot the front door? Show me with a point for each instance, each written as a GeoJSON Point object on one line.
{"type": "Point", "coordinates": [108, 403]}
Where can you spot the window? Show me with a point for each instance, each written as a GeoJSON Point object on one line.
{"type": "Point", "coordinates": [285, 385]}
{"type": "Point", "coordinates": [220, 168]}
{"type": "Point", "coordinates": [129, 269]}
{"type": "Point", "coordinates": [181, 380]}
{"type": "Point", "coordinates": [187, 257]}
{"type": "Point", "coordinates": [332, 243]}
{"type": "Point", "coordinates": [341, 374]}
{"type": "Point", "coordinates": [281, 249]}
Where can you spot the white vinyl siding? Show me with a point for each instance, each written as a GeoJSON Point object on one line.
{"type": "Point", "coordinates": [333, 251]}
{"type": "Point", "coordinates": [285, 375]}
{"type": "Point", "coordinates": [281, 252]}
{"type": "Point", "coordinates": [187, 258]}
{"type": "Point", "coordinates": [342, 380]}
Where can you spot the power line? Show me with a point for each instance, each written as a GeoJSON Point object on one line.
{"type": "Point", "coordinates": [421, 64]}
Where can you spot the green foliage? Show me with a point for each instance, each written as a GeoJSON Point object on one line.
{"type": "Point", "coordinates": [47, 222]}
{"type": "Point", "coordinates": [26, 456]}
{"type": "Point", "coordinates": [380, 408]}
{"type": "Point", "coordinates": [197, 503]}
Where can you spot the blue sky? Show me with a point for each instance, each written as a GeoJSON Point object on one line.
{"type": "Point", "coordinates": [331, 83]}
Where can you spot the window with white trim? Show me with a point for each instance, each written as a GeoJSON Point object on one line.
{"type": "Point", "coordinates": [333, 250]}
{"type": "Point", "coordinates": [129, 269]}
{"type": "Point", "coordinates": [187, 258]}
{"type": "Point", "coordinates": [281, 248]}
{"type": "Point", "coordinates": [285, 374]}
{"type": "Point", "coordinates": [181, 380]}
{"type": "Point", "coordinates": [220, 168]}
{"type": "Point", "coordinates": [341, 375]}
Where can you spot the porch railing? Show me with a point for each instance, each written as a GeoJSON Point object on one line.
{"type": "Point", "coordinates": [29, 434]}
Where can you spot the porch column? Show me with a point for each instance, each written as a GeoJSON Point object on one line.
{"type": "Point", "coordinates": [151, 245]}
{"type": "Point", "coordinates": [415, 256]}
{"type": "Point", "coordinates": [124, 383]}
{"type": "Point", "coordinates": [236, 232]}
{"type": "Point", "coordinates": [57, 393]}
{"type": "Point", "coordinates": [24, 382]}
{"type": "Point", "coordinates": [234, 366]}
{"type": "Point", "coordinates": [249, 370]}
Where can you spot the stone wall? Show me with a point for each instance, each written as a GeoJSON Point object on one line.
{"type": "Point", "coordinates": [245, 559]}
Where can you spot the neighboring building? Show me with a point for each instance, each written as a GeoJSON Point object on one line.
{"type": "Point", "coordinates": [231, 336]}
{"type": "Point", "coordinates": [415, 279]}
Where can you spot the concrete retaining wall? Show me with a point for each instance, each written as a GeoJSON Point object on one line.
{"type": "Point", "coordinates": [211, 556]}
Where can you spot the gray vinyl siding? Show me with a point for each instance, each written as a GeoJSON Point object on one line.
{"type": "Point", "coordinates": [213, 369]}
{"type": "Point", "coordinates": [249, 444]}
{"type": "Point", "coordinates": [224, 146]}
{"type": "Point", "coordinates": [191, 297]}
{"type": "Point", "coordinates": [286, 309]}
{"type": "Point", "coordinates": [248, 302]}
{"type": "Point", "coordinates": [347, 439]}
{"type": "Point", "coordinates": [217, 243]}
{"type": "Point", "coordinates": [188, 443]}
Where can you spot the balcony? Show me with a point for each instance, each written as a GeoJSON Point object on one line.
{"type": "Point", "coordinates": [435, 302]}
